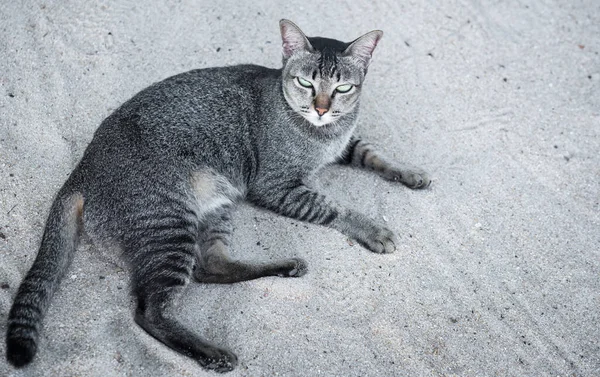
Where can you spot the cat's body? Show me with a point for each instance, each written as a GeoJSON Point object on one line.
{"type": "Point", "coordinates": [164, 170]}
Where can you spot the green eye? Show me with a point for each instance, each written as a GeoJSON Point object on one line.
{"type": "Point", "coordinates": [344, 88]}
{"type": "Point", "coordinates": [304, 83]}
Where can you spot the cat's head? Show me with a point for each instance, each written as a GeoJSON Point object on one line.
{"type": "Point", "coordinates": [322, 77]}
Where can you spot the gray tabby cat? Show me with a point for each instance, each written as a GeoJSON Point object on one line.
{"type": "Point", "coordinates": [162, 173]}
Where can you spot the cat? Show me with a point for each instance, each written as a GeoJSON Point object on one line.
{"type": "Point", "coordinates": [163, 172]}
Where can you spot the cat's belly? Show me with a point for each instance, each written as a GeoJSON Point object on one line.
{"type": "Point", "coordinates": [212, 191]}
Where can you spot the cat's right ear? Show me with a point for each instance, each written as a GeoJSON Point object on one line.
{"type": "Point", "coordinates": [362, 48]}
{"type": "Point", "coordinates": [293, 39]}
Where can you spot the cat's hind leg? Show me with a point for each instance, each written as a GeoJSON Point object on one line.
{"type": "Point", "coordinates": [214, 265]}
{"type": "Point", "coordinates": [160, 274]}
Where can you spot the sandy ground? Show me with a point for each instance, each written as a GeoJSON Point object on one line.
{"type": "Point", "coordinates": [499, 269]}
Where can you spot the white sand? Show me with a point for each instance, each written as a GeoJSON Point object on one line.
{"type": "Point", "coordinates": [499, 270]}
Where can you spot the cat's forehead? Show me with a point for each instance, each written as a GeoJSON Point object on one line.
{"type": "Point", "coordinates": [329, 60]}
{"type": "Point", "coordinates": [317, 68]}
{"type": "Point", "coordinates": [326, 61]}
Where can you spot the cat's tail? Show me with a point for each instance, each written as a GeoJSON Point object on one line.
{"type": "Point", "coordinates": [56, 252]}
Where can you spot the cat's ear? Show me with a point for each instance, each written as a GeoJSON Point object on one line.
{"type": "Point", "coordinates": [293, 38]}
{"type": "Point", "coordinates": [363, 47]}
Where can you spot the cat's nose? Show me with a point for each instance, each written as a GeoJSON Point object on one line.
{"type": "Point", "coordinates": [322, 103]}
{"type": "Point", "coordinates": [321, 110]}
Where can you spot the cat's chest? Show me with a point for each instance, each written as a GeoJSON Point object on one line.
{"type": "Point", "coordinates": [300, 154]}
{"type": "Point", "coordinates": [334, 149]}
{"type": "Point", "coordinates": [320, 152]}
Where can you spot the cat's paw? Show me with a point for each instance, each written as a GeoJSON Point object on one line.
{"type": "Point", "coordinates": [413, 178]}
{"type": "Point", "coordinates": [295, 267]}
{"type": "Point", "coordinates": [218, 359]}
{"type": "Point", "coordinates": [379, 240]}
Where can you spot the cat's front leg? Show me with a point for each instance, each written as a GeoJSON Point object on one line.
{"type": "Point", "coordinates": [302, 203]}
{"type": "Point", "coordinates": [363, 155]}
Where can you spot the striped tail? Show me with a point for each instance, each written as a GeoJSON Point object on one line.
{"type": "Point", "coordinates": [33, 297]}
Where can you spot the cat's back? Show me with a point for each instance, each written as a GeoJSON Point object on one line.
{"type": "Point", "coordinates": [218, 90]}
{"type": "Point", "coordinates": [203, 108]}
{"type": "Point", "coordinates": [202, 117]}
{"type": "Point", "coordinates": [199, 100]}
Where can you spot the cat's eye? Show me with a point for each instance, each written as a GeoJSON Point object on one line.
{"type": "Point", "coordinates": [304, 83]}
{"type": "Point", "coordinates": [344, 88]}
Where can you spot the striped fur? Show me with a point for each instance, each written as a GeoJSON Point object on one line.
{"type": "Point", "coordinates": [363, 155]}
{"type": "Point", "coordinates": [59, 242]}
{"type": "Point", "coordinates": [163, 173]}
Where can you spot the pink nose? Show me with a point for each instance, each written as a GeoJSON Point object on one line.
{"type": "Point", "coordinates": [321, 111]}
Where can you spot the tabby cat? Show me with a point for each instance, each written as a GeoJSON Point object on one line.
{"type": "Point", "coordinates": [162, 173]}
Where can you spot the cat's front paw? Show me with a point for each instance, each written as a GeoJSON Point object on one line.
{"type": "Point", "coordinates": [379, 240]}
{"type": "Point", "coordinates": [413, 178]}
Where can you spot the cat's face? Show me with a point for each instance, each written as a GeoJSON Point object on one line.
{"type": "Point", "coordinates": [322, 77]}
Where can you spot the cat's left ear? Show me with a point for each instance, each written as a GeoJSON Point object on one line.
{"type": "Point", "coordinates": [293, 39]}
{"type": "Point", "coordinates": [363, 47]}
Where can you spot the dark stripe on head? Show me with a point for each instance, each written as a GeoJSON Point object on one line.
{"type": "Point", "coordinates": [329, 49]}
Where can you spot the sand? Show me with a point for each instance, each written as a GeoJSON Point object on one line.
{"type": "Point", "coordinates": [498, 273]}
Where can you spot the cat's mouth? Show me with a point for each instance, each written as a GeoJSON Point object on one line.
{"type": "Point", "coordinates": [319, 120]}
